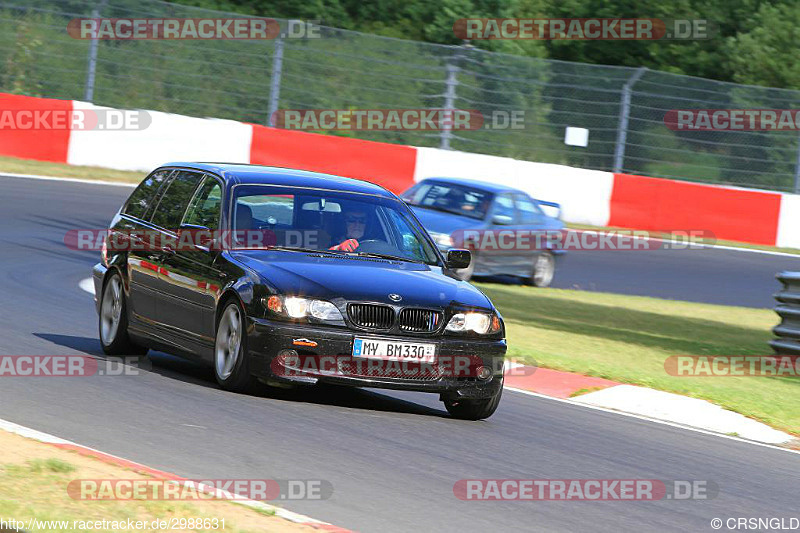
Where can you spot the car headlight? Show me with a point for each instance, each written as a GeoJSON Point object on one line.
{"type": "Point", "coordinates": [442, 239]}
{"type": "Point", "coordinates": [481, 323]}
{"type": "Point", "coordinates": [296, 307]}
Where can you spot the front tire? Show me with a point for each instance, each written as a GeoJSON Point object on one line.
{"type": "Point", "coordinates": [231, 365]}
{"type": "Point", "coordinates": [113, 320]}
{"type": "Point", "coordinates": [473, 409]}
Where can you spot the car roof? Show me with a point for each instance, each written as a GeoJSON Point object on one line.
{"type": "Point", "coordinates": [240, 173]}
{"type": "Point", "coordinates": [477, 184]}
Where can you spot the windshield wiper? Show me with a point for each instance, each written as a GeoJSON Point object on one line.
{"type": "Point", "coordinates": [303, 250]}
{"type": "Point", "coordinates": [387, 256]}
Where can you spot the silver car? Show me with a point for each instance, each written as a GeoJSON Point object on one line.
{"type": "Point", "coordinates": [447, 206]}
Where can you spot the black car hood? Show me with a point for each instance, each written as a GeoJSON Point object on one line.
{"type": "Point", "coordinates": [360, 279]}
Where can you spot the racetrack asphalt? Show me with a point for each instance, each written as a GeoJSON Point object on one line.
{"type": "Point", "coordinates": [392, 457]}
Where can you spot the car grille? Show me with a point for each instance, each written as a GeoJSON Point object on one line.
{"type": "Point", "coordinates": [420, 320]}
{"type": "Point", "coordinates": [371, 316]}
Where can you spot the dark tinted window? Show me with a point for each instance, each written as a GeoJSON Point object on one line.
{"type": "Point", "coordinates": [142, 198]}
{"type": "Point", "coordinates": [449, 197]}
{"type": "Point", "coordinates": [174, 201]}
{"type": "Point", "coordinates": [206, 205]}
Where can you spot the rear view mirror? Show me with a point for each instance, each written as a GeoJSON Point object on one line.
{"type": "Point", "coordinates": [502, 220]}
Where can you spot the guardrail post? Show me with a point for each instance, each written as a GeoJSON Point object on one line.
{"type": "Point", "coordinates": [275, 80]}
{"type": "Point", "coordinates": [625, 110]}
{"type": "Point", "coordinates": [449, 102]}
{"type": "Point", "coordinates": [797, 171]}
{"type": "Point", "coordinates": [88, 91]}
{"type": "Point", "coordinates": [450, 96]}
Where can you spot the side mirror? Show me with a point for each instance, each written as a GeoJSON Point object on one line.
{"type": "Point", "coordinates": [502, 220]}
{"type": "Point", "coordinates": [458, 259]}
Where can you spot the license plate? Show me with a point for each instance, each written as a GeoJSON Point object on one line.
{"type": "Point", "coordinates": [394, 351]}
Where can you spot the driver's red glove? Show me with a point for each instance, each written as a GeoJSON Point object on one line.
{"type": "Point", "coordinates": [346, 246]}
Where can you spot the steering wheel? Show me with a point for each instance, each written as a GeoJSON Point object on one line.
{"type": "Point", "coordinates": [376, 246]}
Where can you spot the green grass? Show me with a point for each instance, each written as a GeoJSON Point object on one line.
{"type": "Point", "coordinates": [51, 465]}
{"type": "Point", "coordinates": [15, 165]}
{"type": "Point", "coordinates": [628, 338]}
{"type": "Point", "coordinates": [37, 489]}
{"type": "Point", "coordinates": [682, 238]}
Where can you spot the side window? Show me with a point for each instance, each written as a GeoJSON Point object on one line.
{"type": "Point", "coordinates": [206, 206]}
{"type": "Point", "coordinates": [174, 201]}
{"type": "Point", "coordinates": [142, 198]}
{"type": "Point", "coordinates": [504, 206]}
{"type": "Point", "coordinates": [530, 212]}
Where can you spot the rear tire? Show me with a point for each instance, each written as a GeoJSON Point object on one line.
{"type": "Point", "coordinates": [231, 364]}
{"type": "Point", "coordinates": [544, 269]}
{"type": "Point", "coordinates": [113, 320]}
{"type": "Point", "coordinates": [473, 409]}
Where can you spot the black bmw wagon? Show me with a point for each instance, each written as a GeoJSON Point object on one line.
{"type": "Point", "coordinates": [277, 276]}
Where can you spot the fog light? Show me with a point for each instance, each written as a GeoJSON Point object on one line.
{"type": "Point", "coordinates": [289, 358]}
{"type": "Point", "coordinates": [484, 373]}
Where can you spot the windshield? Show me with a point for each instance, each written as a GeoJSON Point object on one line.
{"type": "Point", "coordinates": [296, 219]}
{"type": "Point", "coordinates": [451, 198]}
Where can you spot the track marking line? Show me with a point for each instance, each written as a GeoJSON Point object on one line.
{"type": "Point", "coordinates": [655, 420]}
{"type": "Point", "coordinates": [291, 516]}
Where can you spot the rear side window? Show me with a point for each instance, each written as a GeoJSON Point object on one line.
{"type": "Point", "coordinates": [206, 205]}
{"type": "Point", "coordinates": [529, 210]}
{"type": "Point", "coordinates": [175, 200]}
{"type": "Point", "coordinates": [142, 198]}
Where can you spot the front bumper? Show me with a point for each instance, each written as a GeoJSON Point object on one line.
{"type": "Point", "coordinates": [268, 338]}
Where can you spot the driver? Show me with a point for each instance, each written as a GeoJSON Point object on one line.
{"type": "Point", "coordinates": [355, 220]}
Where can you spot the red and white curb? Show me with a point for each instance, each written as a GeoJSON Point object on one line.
{"type": "Point", "coordinates": [661, 407]}
{"type": "Point", "coordinates": [58, 442]}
